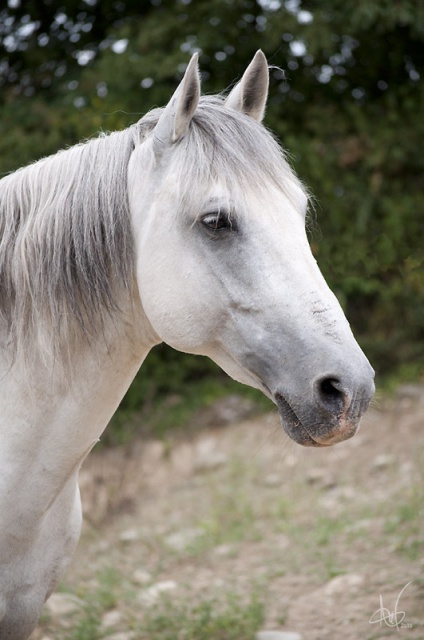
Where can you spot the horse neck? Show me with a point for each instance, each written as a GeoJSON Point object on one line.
{"type": "Point", "coordinates": [48, 424]}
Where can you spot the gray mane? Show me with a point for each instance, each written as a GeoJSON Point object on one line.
{"type": "Point", "coordinates": [66, 240]}
{"type": "Point", "coordinates": [66, 245]}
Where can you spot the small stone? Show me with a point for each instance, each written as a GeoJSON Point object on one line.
{"type": "Point", "coordinates": [346, 493]}
{"type": "Point", "coordinates": [291, 460]}
{"type": "Point", "coordinates": [122, 635]}
{"type": "Point", "coordinates": [282, 541]}
{"type": "Point", "coordinates": [111, 619]}
{"type": "Point", "coordinates": [329, 503]}
{"type": "Point", "coordinates": [321, 478]}
{"type": "Point", "coordinates": [208, 456]}
{"type": "Point", "coordinates": [142, 577]}
{"type": "Point", "coordinates": [349, 582]}
{"type": "Point", "coordinates": [277, 635]}
{"type": "Point", "coordinates": [152, 594]}
{"type": "Point", "coordinates": [180, 540]}
{"type": "Point", "coordinates": [154, 451]}
{"type": "Point", "coordinates": [103, 546]}
{"type": "Point", "coordinates": [361, 525]}
{"type": "Point", "coordinates": [224, 550]}
{"type": "Point", "coordinates": [130, 535]}
{"type": "Point", "coordinates": [383, 460]}
{"type": "Point", "coordinates": [62, 604]}
{"type": "Point", "coordinates": [272, 480]}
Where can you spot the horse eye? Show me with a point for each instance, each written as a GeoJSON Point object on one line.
{"type": "Point", "coordinates": [217, 221]}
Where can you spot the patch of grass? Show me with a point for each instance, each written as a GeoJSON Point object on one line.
{"type": "Point", "coordinates": [106, 595]}
{"type": "Point", "coordinates": [232, 518]}
{"type": "Point", "coordinates": [282, 511]}
{"type": "Point", "coordinates": [326, 535]}
{"type": "Point", "coordinates": [209, 619]}
{"type": "Point", "coordinates": [404, 515]}
{"type": "Point", "coordinates": [230, 521]}
{"type": "Point", "coordinates": [88, 625]}
{"type": "Point", "coordinates": [282, 619]}
{"type": "Point", "coordinates": [87, 622]}
{"type": "Point", "coordinates": [404, 524]}
{"type": "Point", "coordinates": [110, 585]}
{"type": "Point", "coordinates": [231, 515]}
{"type": "Point", "coordinates": [315, 541]}
{"type": "Point", "coordinates": [326, 529]}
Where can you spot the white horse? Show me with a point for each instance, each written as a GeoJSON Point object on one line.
{"type": "Point", "coordinates": [187, 228]}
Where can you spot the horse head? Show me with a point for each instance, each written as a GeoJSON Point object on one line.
{"type": "Point", "coordinates": [224, 267]}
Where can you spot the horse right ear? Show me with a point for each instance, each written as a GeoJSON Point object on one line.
{"type": "Point", "coordinates": [175, 120]}
{"type": "Point", "coordinates": [250, 95]}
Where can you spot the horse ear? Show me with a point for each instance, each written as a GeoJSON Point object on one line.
{"type": "Point", "coordinates": [175, 120]}
{"type": "Point", "coordinates": [250, 94]}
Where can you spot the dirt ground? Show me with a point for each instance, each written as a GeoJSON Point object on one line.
{"type": "Point", "coordinates": [330, 538]}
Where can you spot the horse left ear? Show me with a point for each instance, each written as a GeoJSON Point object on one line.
{"type": "Point", "coordinates": [250, 94]}
{"type": "Point", "coordinates": [175, 120]}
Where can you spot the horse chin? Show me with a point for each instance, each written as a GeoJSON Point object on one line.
{"type": "Point", "coordinates": [323, 436]}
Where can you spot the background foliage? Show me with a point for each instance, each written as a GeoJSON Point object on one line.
{"type": "Point", "coordinates": [348, 106]}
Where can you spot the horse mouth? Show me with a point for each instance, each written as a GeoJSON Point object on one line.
{"type": "Point", "coordinates": [297, 431]}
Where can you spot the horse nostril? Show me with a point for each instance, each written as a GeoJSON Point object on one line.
{"type": "Point", "coordinates": [332, 395]}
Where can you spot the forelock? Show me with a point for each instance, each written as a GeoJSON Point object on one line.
{"type": "Point", "coordinates": [227, 147]}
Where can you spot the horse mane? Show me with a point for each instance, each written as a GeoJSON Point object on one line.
{"type": "Point", "coordinates": [66, 239]}
{"type": "Point", "coordinates": [66, 242]}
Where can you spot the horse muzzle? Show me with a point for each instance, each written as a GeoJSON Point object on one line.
{"type": "Point", "coordinates": [331, 415]}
